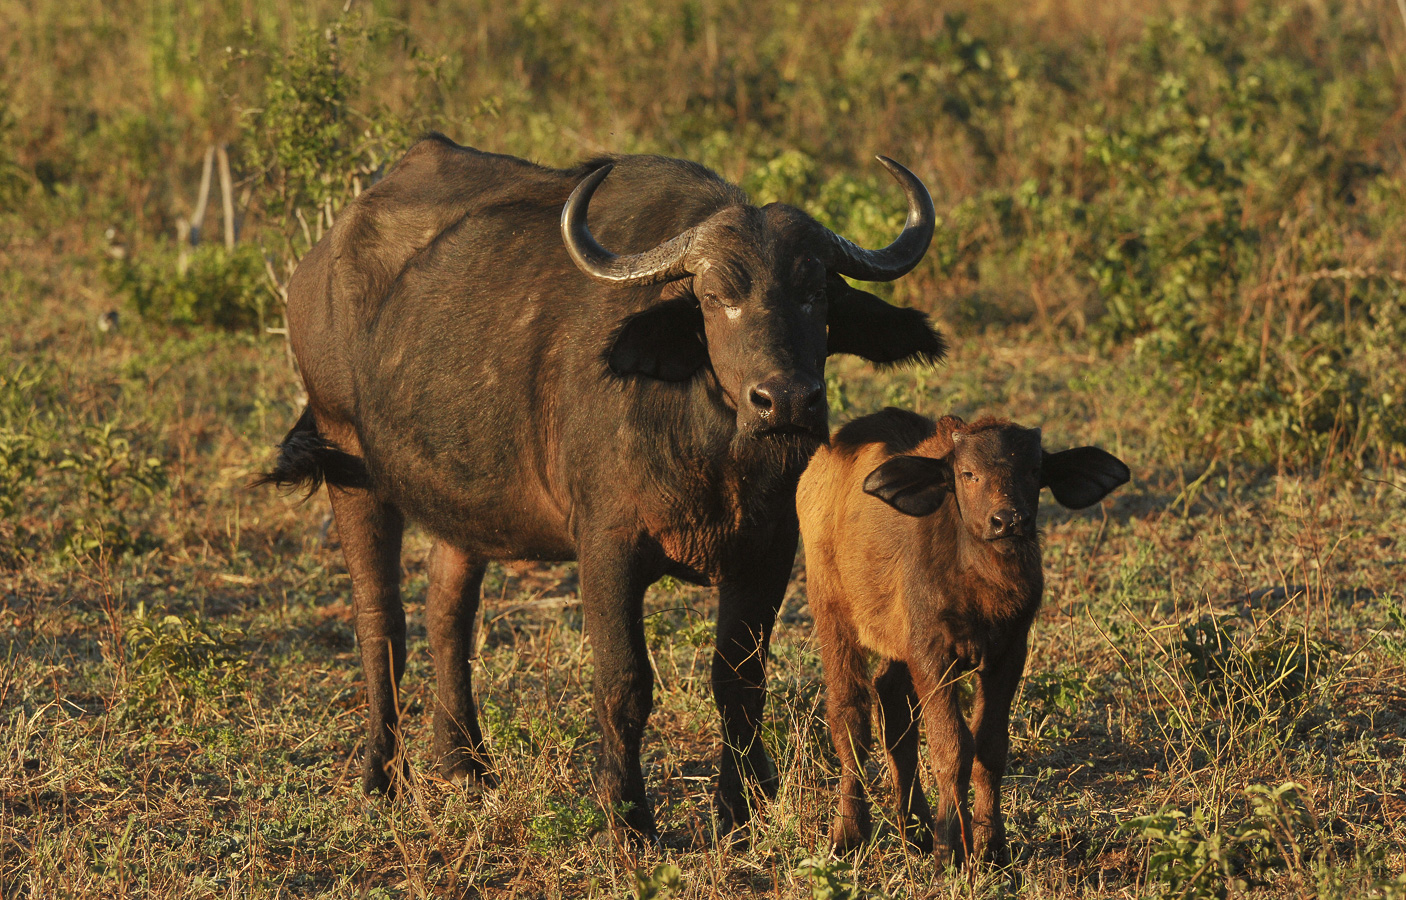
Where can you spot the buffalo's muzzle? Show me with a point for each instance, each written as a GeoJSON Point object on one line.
{"type": "Point", "coordinates": [789, 404]}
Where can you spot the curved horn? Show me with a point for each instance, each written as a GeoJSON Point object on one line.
{"type": "Point", "coordinates": [898, 258]}
{"type": "Point", "coordinates": [663, 263]}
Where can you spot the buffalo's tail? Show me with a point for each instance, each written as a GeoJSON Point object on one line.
{"type": "Point", "coordinates": [307, 460]}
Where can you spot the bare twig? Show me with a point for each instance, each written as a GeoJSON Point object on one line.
{"type": "Point", "coordinates": [202, 200]}
{"type": "Point", "coordinates": [226, 193]}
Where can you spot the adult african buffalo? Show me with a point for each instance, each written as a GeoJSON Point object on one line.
{"type": "Point", "coordinates": [477, 362]}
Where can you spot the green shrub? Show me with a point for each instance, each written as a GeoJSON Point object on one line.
{"type": "Point", "coordinates": [180, 660]}
{"type": "Point", "coordinates": [14, 181]}
{"type": "Point", "coordinates": [218, 287]}
{"type": "Point", "coordinates": [1267, 667]}
{"type": "Point", "coordinates": [1197, 856]}
{"type": "Point", "coordinates": [111, 477]}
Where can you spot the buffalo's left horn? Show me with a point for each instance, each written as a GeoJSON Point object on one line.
{"type": "Point", "coordinates": [663, 263]}
{"type": "Point", "coordinates": [898, 258]}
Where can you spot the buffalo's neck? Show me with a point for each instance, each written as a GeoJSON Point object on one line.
{"type": "Point", "coordinates": [712, 496]}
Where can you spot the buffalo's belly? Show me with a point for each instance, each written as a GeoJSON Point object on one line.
{"type": "Point", "coordinates": [497, 513]}
{"type": "Point", "coordinates": [491, 528]}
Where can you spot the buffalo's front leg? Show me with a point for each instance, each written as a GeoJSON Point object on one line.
{"type": "Point", "coordinates": [612, 593]}
{"type": "Point", "coordinates": [747, 605]}
{"type": "Point", "coordinates": [370, 532]}
{"type": "Point", "coordinates": [452, 611]}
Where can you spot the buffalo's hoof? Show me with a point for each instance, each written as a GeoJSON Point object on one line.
{"type": "Point", "coordinates": [469, 771]}
{"type": "Point", "coordinates": [382, 778]}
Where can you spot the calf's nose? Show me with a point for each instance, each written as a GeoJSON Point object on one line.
{"type": "Point", "coordinates": [1004, 522]}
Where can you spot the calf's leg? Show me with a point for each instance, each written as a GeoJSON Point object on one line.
{"type": "Point", "coordinates": [612, 594]}
{"type": "Point", "coordinates": [452, 612]}
{"type": "Point", "coordinates": [950, 750]}
{"type": "Point", "coordinates": [991, 716]}
{"type": "Point", "coordinates": [748, 600]}
{"type": "Point", "coordinates": [847, 712]}
{"type": "Point", "coordinates": [898, 709]}
{"type": "Point", "coordinates": [370, 533]}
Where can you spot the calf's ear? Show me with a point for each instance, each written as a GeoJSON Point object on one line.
{"type": "Point", "coordinates": [863, 325]}
{"type": "Point", "coordinates": [1082, 476]}
{"type": "Point", "coordinates": [665, 341]}
{"type": "Point", "coordinates": [913, 485]}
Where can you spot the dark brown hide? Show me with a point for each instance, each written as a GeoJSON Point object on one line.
{"type": "Point", "coordinates": [921, 549]}
{"type": "Point", "coordinates": [463, 372]}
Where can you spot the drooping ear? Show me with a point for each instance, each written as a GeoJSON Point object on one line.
{"type": "Point", "coordinates": [665, 341]}
{"type": "Point", "coordinates": [913, 485]}
{"type": "Point", "coordinates": [1082, 476]}
{"type": "Point", "coordinates": [864, 325]}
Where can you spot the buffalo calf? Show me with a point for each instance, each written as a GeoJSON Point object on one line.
{"type": "Point", "coordinates": [921, 548]}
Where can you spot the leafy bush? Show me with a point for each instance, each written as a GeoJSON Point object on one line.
{"type": "Point", "coordinates": [1190, 857]}
{"type": "Point", "coordinates": [568, 820]}
{"type": "Point", "coordinates": [218, 287]}
{"type": "Point", "coordinates": [1055, 700]}
{"type": "Point", "coordinates": [665, 881]}
{"type": "Point", "coordinates": [111, 476]}
{"type": "Point", "coordinates": [180, 659]}
{"type": "Point", "coordinates": [314, 140]}
{"type": "Point", "coordinates": [14, 181]}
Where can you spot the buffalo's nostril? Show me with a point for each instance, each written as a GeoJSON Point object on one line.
{"type": "Point", "coordinates": [762, 398]}
{"type": "Point", "coordinates": [789, 402]}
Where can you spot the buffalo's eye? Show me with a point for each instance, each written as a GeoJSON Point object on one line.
{"type": "Point", "coordinates": [970, 476]}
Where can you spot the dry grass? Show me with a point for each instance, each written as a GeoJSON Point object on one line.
{"type": "Point", "coordinates": [230, 781]}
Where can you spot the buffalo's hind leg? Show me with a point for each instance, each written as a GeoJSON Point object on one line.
{"type": "Point", "coordinates": [612, 594]}
{"type": "Point", "coordinates": [748, 602]}
{"type": "Point", "coordinates": [370, 533]}
{"type": "Point", "coordinates": [452, 612]}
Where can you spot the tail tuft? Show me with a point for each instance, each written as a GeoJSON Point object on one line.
{"type": "Point", "coordinates": [307, 460]}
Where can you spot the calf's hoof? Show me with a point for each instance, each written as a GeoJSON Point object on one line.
{"type": "Point", "coordinates": [849, 833]}
{"type": "Point", "coordinates": [991, 849]}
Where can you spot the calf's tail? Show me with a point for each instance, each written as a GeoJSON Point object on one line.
{"type": "Point", "coordinates": [307, 460]}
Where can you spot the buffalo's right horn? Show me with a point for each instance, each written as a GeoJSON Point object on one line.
{"type": "Point", "coordinates": [898, 258]}
{"type": "Point", "coordinates": [663, 263]}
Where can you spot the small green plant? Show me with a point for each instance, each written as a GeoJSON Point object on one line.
{"type": "Point", "coordinates": [14, 181]}
{"type": "Point", "coordinates": [180, 659]}
{"type": "Point", "coordinates": [1270, 666]}
{"type": "Point", "coordinates": [1055, 700]}
{"type": "Point", "coordinates": [665, 881]}
{"type": "Point", "coordinates": [568, 820]}
{"type": "Point", "coordinates": [111, 475]}
{"type": "Point", "coordinates": [833, 879]}
{"type": "Point", "coordinates": [1194, 856]}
